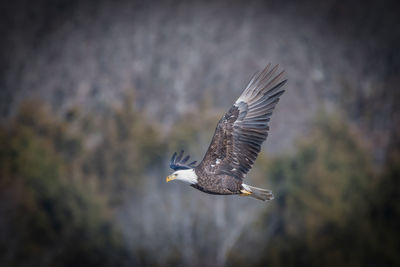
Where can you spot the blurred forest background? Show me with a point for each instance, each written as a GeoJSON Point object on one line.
{"type": "Point", "coordinates": [96, 96]}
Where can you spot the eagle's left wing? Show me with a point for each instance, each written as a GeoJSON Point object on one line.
{"type": "Point", "coordinates": [241, 131]}
{"type": "Point", "coordinates": [179, 163]}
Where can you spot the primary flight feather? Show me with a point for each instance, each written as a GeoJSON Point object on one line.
{"type": "Point", "coordinates": [236, 142]}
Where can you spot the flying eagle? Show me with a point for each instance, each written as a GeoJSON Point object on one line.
{"type": "Point", "coordinates": [236, 142]}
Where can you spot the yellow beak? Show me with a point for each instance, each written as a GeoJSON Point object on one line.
{"type": "Point", "coordinates": [170, 178]}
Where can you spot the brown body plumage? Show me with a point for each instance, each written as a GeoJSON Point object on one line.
{"type": "Point", "coordinates": [218, 184]}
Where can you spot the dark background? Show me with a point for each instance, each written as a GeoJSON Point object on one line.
{"type": "Point", "coordinates": [96, 96]}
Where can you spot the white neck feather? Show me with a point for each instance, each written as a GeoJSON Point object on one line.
{"type": "Point", "coordinates": [187, 176]}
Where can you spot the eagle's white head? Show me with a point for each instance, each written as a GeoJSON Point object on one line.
{"type": "Point", "coordinates": [187, 176]}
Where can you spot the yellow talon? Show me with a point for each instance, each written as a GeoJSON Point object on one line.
{"type": "Point", "coordinates": [245, 193]}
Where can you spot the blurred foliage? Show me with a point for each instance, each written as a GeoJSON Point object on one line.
{"type": "Point", "coordinates": [332, 207]}
{"type": "Point", "coordinates": [48, 216]}
{"type": "Point", "coordinates": [122, 146]}
{"type": "Point", "coordinates": [63, 180]}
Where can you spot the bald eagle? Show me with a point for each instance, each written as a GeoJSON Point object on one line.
{"type": "Point", "coordinates": [236, 142]}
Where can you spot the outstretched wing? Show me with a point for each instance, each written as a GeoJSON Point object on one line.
{"type": "Point", "coordinates": [241, 131]}
{"type": "Point", "coordinates": [177, 163]}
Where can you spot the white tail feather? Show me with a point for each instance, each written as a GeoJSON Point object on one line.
{"type": "Point", "coordinates": [259, 193]}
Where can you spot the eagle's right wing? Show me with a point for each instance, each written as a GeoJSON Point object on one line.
{"type": "Point", "coordinates": [242, 130]}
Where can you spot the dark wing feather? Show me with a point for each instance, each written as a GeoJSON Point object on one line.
{"type": "Point", "coordinates": [242, 130]}
{"type": "Point", "coordinates": [177, 163]}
